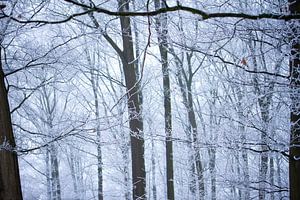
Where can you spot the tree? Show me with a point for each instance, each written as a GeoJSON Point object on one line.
{"type": "Point", "coordinates": [244, 136]}
{"type": "Point", "coordinates": [162, 34]}
{"type": "Point", "coordinates": [134, 106]}
{"type": "Point", "coordinates": [95, 86]}
{"type": "Point", "coordinates": [134, 100]}
{"type": "Point", "coordinates": [10, 186]}
{"type": "Point", "coordinates": [294, 160]}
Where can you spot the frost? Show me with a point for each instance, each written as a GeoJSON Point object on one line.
{"type": "Point", "coordinates": [6, 146]}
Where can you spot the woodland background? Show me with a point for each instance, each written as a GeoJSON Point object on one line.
{"type": "Point", "coordinates": [180, 104]}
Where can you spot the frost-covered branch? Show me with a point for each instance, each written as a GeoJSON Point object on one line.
{"type": "Point", "coordinates": [203, 14]}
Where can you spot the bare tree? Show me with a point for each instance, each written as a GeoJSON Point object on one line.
{"type": "Point", "coordinates": [162, 34]}
{"type": "Point", "coordinates": [295, 106]}
{"type": "Point", "coordinates": [10, 186]}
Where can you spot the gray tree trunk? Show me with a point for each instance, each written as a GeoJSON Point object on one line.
{"type": "Point", "coordinates": [48, 174]}
{"type": "Point", "coordinates": [55, 181]}
{"type": "Point", "coordinates": [195, 167]}
{"type": "Point", "coordinates": [194, 130]}
{"type": "Point", "coordinates": [94, 81]}
{"type": "Point", "coordinates": [264, 101]}
{"type": "Point", "coordinates": [279, 183]}
{"type": "Point", "coordinates": [241, 128]}
{"type": "Point", "coordinates": [72, 164]}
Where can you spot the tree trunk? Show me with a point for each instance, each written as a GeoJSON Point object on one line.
{"type": "Point", "coordinates": [48, 169]}
{"type": "Point", "coordinates": [192, 136]}
{"type": "Point", "coordinates": [264, 101]}
{"type": "Point", "coordinates": [56, 191]}
{"type": "Point", "coordinates": [72, 164]}
{"type": "Point", "coordinates": [10, 186]}
{"type": "Point", "coordinates": [272, 173]}
{"type": "Point", "coordinates": [194, 131]}
{"type": "Point", "coordinates": [95, 85]}
{"type": "Point", "coordinates": [212, 169]}
{"type": "Point", "coordinates": [279, 183]}
{"type": "Point", "coordinates": [264, 106]}
{"type": "Point", "coordinates": [134, 107]}
{"type": "Point", "coordinates": [213, 138]}
{"type": "Point", "coordinates": [162, 31]}
{"type": "Point", "coordinates": [241, 128]}
{"type": "Point", "coordinates": [153, 171]}
{"type": "Point", "coordinates": [294, 160]}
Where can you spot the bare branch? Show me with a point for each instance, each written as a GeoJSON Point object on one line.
{"type": "Point", "coordinates": [204, 15]}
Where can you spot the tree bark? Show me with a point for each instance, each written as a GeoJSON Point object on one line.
{"type": "Point", "coordinates": [49, 190]}
{"type": "Point", "coordinates": [196, 167]}
{"type": "Point", "coordinates": [10, 186]}
{"type": "Point", "coordinates": [194, 130]}
{"type": "Point", "coordinates": [134, 106]}
{"type": "Point", "coordinates": [294, 160]}
{"type": "Point", "coordinates": [162, 32]}
{"type": "Point", "coordinates": [56, 190]}
{"type": "Point", "coordinates": [241, 128]}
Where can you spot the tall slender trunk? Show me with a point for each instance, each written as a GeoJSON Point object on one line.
{"type": "Point", "coordinates": [278, 175]}
{"type": "Point", "coordinates": [99, 165]}
{"type": "Point", "coordinates": [10, 186]}
{"type": "Point", "coordinates": [194, 130]}
{"type": "Point", "coordinates": [212, 169]}
{"type": "Point", "coordinates": [238, 174]}
{"type": "Point", "coordinates": [241, 128]}
{"type": "Point", "coordinates": [162, 32]}
{"type": "Point", "coordinates": [272, 174]}
{"type": "Point", "coordinates": [94, 82]}
{"type": "Point", "coordinates": [94, 79]}
{"type": "Point", "coordinates": [48, 171]}
{"type": "Point", "coordinates": [192, 171]}
{"type": "Point", "coordinates": [294, 160]}
{"type": "Point", "coordinates": [195, 167]}
{"type": "Point", "coordinates": [134, 106]}
{"type": "Point", "coordinates": [196, 149]}
{"type": "Point", "coordinates": [153, 171]}
{"type": "Point", "coordinates": [134, 99]}
{"type": "Point", "coordinates": [264, 101]}
{"type": "Point", "coordinates": [72, 165]}
{"type": "Point", "coordinates": [264, 106]}
{"type": "Point", "coordinates": [56, 190]}
{"type": "Point", "coordinates": [213, 138]}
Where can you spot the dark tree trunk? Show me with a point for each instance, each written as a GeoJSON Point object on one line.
{"type": "Point", "coordinates": [134, 107]}
{"type": "Point", "coordinates": [294, 165]}
{"type": "Point", "coordinates": [162, 31]}
{"type": "Point", "coordinates": [10, 186]}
